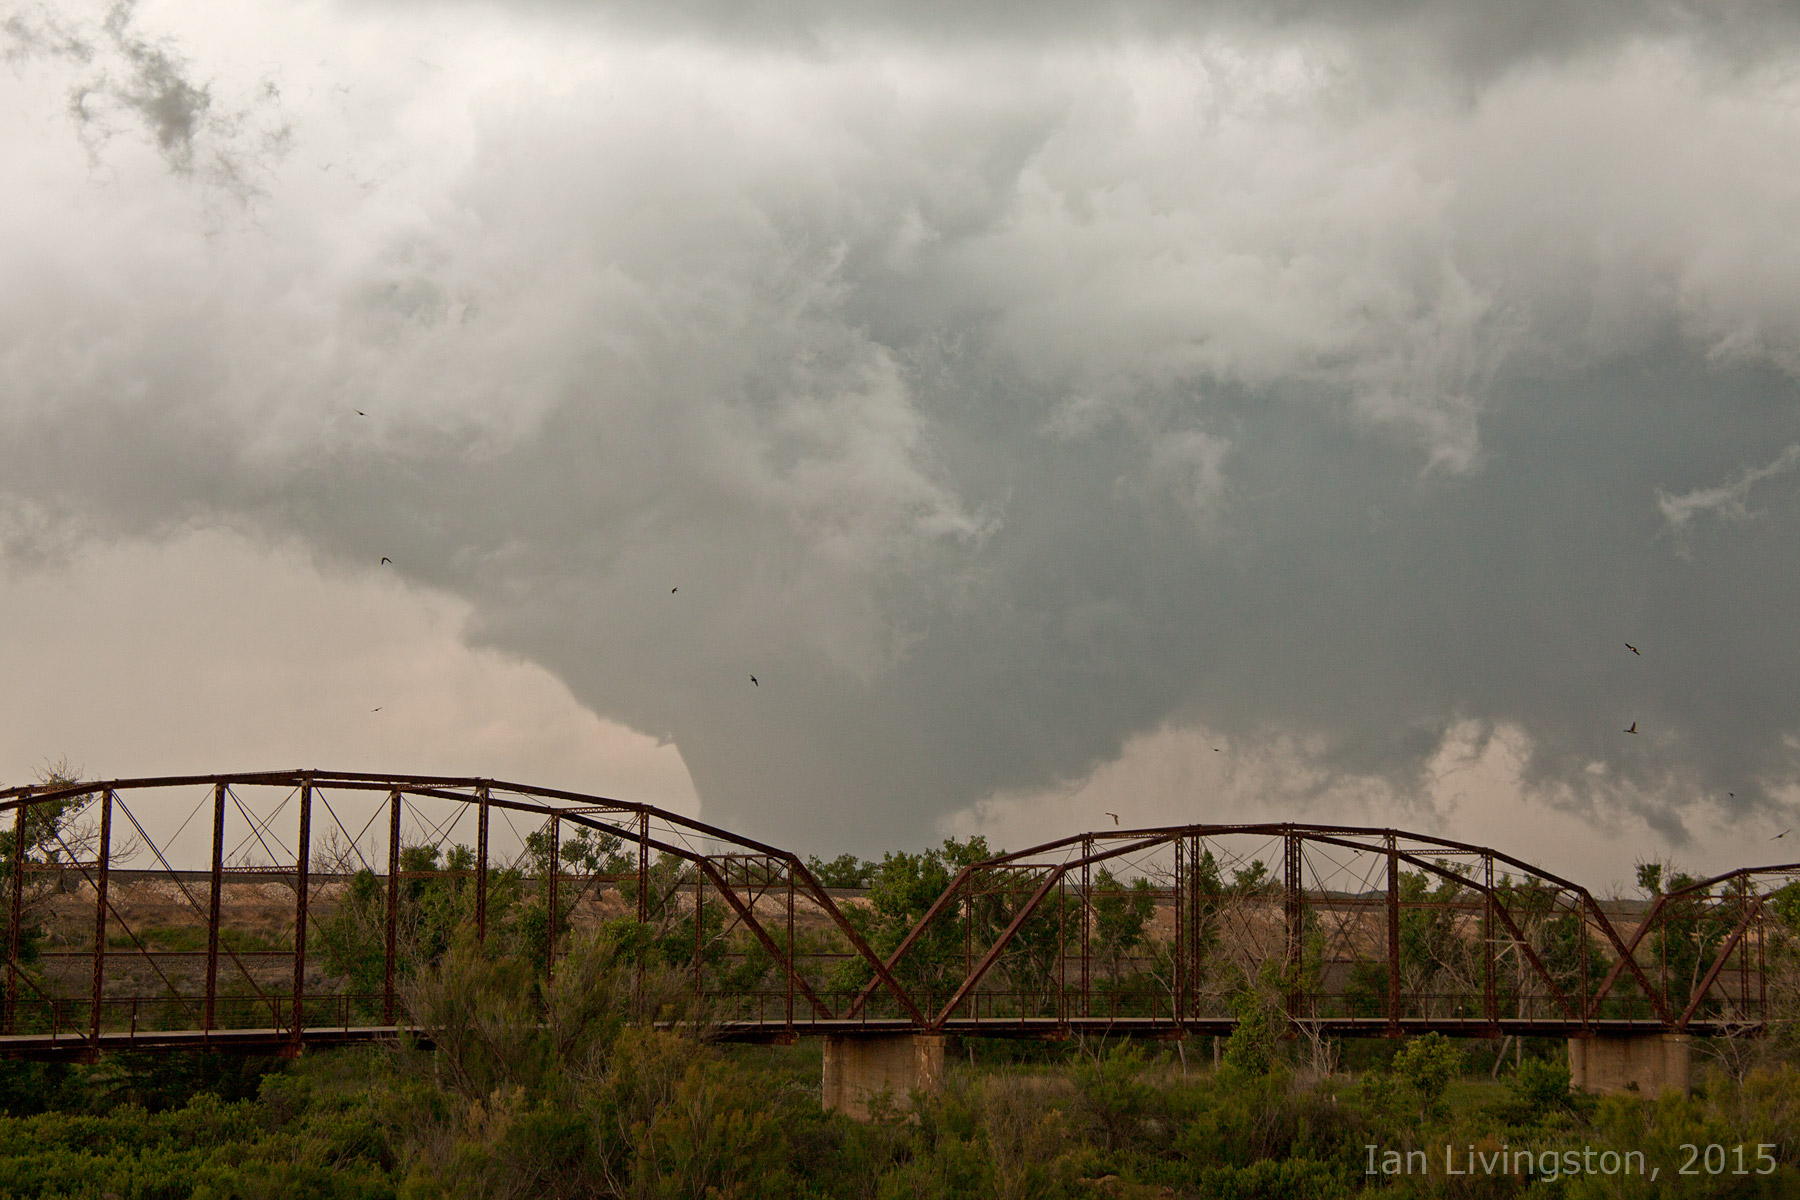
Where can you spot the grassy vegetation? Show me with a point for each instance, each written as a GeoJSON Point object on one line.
{"type": "Point", "coordinates": [553, 1090]}
{"type": "Point", "coordinates": [193, 939]}
{"type": "Point", "coordinates": [603, 1082]}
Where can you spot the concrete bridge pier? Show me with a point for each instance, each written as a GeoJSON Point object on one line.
{"type": "Point", "coordinates": [860, 1067]}
{"type": "Point", "coordinates": [1646, 1063]}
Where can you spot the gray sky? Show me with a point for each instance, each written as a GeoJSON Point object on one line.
{"type": "Point", "coordinates": [1032, 397]}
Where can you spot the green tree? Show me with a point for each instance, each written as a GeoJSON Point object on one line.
{"type": "Point", "coordinates": [902, 889]}
{"type": "Point", "coordinates": [39, 835]}
{"type": "Point", "coordinates": [844, 871]}
{"type": "Point", "coordinates": [1426, 1065]}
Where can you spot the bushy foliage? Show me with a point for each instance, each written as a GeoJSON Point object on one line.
{"type": "Point", "coordinates": [599, 1080]}
{"type": "Point", "coordinates": [562, 1095]}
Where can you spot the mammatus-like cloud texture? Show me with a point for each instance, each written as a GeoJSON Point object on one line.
{"type": "Point", "coordinates": [993, 391]}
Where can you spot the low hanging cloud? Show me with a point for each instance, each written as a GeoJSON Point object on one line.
{"type": "Point", "coordinates": [994, 396]}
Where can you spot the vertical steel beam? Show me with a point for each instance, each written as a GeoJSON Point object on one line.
{"type": "Point", "coordinates": [793, 963]}
{"type": "Point", "coordinates": [969, 931]}
{"type": "Point", "coordinates": [1393, 937]}
{"type": "Point", "coordinates": [1490, 992]}
{"type": "Point", "coordinates": [302, 886]}
{"type": "Point", "coordinates": [100, 883]}
{"type": "Point", "coordinates": [550, 911]}
{"type": "Point", "coordinates": [1762, 969]}
{"type": "Point", "coordinates": [212, 917]}
{"type": "Point", "coordinates": [643, 870]}
{"type": "Point", "coordinates": [1087, 910]}
{"type": "Point", "coordinates": [1585, 998]}
{"type": "Point", "coordinates": [481, 862]}
{"type": "Point", "coordinates": [1180, 941]}
{"type": "Point", "coordinates": [643, 903]}
{"type": "Point", "coordinates": [1296, 918]}
{"type": "Point", "coordinates": [1744, 957]}
{"type": "Point", "coordinates": [699, 929]}
{"type": "Point", "coordinates": [1062, 950]}
{"type": "Point", "coordinates": [17, 915]}
{"type": "Point", "coordinates": [393, 909]}
{"type": "Point", "coordinates": [1196, 966]}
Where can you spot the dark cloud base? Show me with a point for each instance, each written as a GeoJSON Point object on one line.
{"type": "Point", "coordinates": [1340, 595]}
{"type": "Point", "coordinates": [873, 501]}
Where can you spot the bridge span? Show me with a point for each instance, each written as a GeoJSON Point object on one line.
{"type": "Point", "coordinates": [273, 910]}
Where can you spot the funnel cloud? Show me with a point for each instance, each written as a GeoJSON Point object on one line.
{"type": "Point", "coordinates": [998, 385]}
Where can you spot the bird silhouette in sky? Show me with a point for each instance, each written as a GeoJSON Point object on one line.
{"type": "Point", "coordinates": [672, 591]}
{"type": "Point", "coordinates": [753, 682]}
{"type": "Point", "coordinates": [361, 413]}
{"type": "Point", "coordinates": [1633, 728]}
{"type": "Point", "coordinates": [377, 708]}
{"type": "Point", "coordinates": [386, 561]}
{"type": "Point", "coordinates": [1781, 835]}
{"type": "Point", "coordinates": [1115, 817]}
{"type": "Point", "coordinates": [1634, 649]}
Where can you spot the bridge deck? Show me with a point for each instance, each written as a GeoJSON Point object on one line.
{"type": "Point", "coordinates": [70, 1046]}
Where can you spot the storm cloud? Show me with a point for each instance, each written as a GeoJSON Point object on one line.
{"type": "Point", "coordinates": [996, 384]}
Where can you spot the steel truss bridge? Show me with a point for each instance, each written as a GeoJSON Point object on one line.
{"type": "Point", "coordinates": [304, 899]}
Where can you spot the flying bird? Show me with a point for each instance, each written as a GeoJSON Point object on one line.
{"type": "Point", "coordinates": [1115, 817]}
{"type": "Point", "coordinates": [377, 708]}
{"type": "Point", "coordinates": [359, 412]}
{"type": "Point", "coordinates": [386, 561]}
{"type": "Point", "coordinates": [1634, 649]}
{"type": "Point", "coordinates": [753, 681]}
{"type": "Point", "coordinates": [1781, 835]}
{"type": "Point", "coordinates": [1633, 728]}
{"type": "Point", "coordinates": [672, 591]}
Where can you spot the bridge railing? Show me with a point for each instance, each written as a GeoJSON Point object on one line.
{"type": "Point", "coordinates": [311, 900]}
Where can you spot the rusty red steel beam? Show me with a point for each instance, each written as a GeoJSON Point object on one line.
{"type": "Point", "coordinates": [883, 973]}
{"type": "Point", "coordinates": [748, 916]}
{"type": "Point", "coordinates": [1629, 955]}
{"type": "Point", "coordinates": [391, 946]}
{"type": "Point", "coordinates": [1744, 872]}
{"type": "Point", "coordinates": [17, 915]}
{"type": "Point", "coordinates": [993, 952]}
{"type": "Point", "coordinates": [1625, 957]}
{"type": "Point", "coordinates": [1537, 964]}
{"type": "Point", "coordinates": [302, 883]}
{"type": "Point", "coordinates": [435, 785]}
{"type": "Point", "coordinates": [21, 799]}
{"type": "Point", "coordinates": [948, 895]}
{"type": "Point", "coordinates": [149, 956]}
{"type": "Point", "coordinates": [552, 910]}
{"type": "Point", "coordinates": [1499, 910]}
{"type": "Point", "coordinates": [1712, 974]}
{"type": "Point", "coordinates": [815, 890]}
{"type": "Point", "coordinates": [945, 899]}
{"type": "Point", "coordinates": [481, 861]}
{"type": "Point", "coordinates": [1393, 937]}
{"type": "Point", "coordinates": [218, 889]}
{"type": "Point", "coordinates": [100, 905]}
{"type": "Point", "coordinates": [182, 887]}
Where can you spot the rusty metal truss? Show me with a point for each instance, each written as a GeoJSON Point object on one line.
{"type": "Point", "coordinates": [217, 904]}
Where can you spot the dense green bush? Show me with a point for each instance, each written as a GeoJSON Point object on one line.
{"type": "Point", "coordinates": [601, 1083]}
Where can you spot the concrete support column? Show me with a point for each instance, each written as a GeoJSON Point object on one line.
{"type": "Point", "coordinates": [860, 1067]}
{"type": "Point", "coordinates": [1648, 1064]}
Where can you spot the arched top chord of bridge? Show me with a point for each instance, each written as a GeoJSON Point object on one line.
{"type": "Point", "coordinates": [277, 909]}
